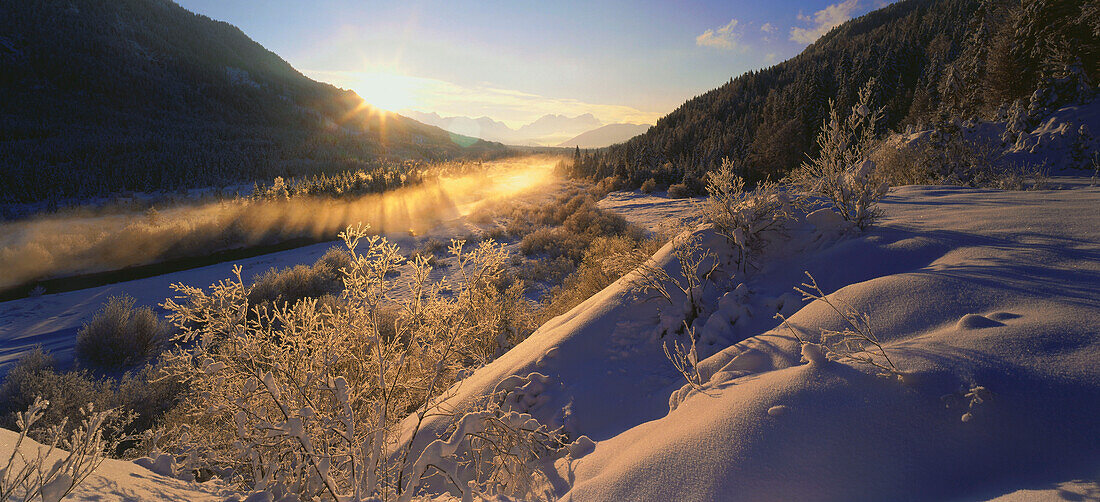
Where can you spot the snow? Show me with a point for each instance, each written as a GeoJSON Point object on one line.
{"type": "Point", "coordinates": [653, 212]}
{"type": "Point", "coordinates": [986, 300]}
{"type": "Point", "coordinates": [122, 480]}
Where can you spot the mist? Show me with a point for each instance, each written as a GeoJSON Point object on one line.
{"type": "Point", "coordinates": [57, 246]}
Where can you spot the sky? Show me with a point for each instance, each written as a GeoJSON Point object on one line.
{"type": "Point", "coordinates": [515, 61]}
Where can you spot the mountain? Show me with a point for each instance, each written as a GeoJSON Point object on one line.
{"type": "Point", "coordinates": [549, 126]}
{"type": "Point", "coordinates": [101, 97]}
{"type": "Point", "coordinates": [482, 127]}
{"type": "Point", "coordinates": [609, 134]}
{"type": "Point", "coordinates": [932, 61]}
{"type": "Point", "coordinates": [547, 130]}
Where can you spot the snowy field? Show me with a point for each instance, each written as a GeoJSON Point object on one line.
{"type": "Point", "coordinates": [987, 301]}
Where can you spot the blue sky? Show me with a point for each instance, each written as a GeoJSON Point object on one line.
{"type": "Point", "coordinates": [515, 61]}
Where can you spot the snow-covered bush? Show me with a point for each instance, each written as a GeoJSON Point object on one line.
{"type": "Point", "coordinates": [857, 342]}
{"type": "Point", "coordinates": [842, 171]}
{"type": "Point", "coordinates": [605, 261]}
{"type": "Point", "coordinates": [685, 358]}
{"type": "Point", "coordinates": [304, 397]}
{"type": "Point", "coordinates": [301, 281]}
{"type": "Point", "coordinates": [649, 186]}
{"type": "Point", "coordinates": [494, 451]}
{"type": "Point", "coordinates": [120, 335]}
{"type": "Point", "coordinates": [744, 217]}
{"type": "Point", "coordinates": [52, 470]}
{"type": "Point", "coordinates": [679, 191]}
{"type": "Point", "coordinates": [696, 267]}
{"type": "Point", "coordinates": [35, 376]}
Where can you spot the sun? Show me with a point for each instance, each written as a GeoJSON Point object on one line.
{"type": "Point", "coordinates": [386, 90]}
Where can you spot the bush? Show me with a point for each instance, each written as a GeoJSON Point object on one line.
{"type": "Point", "coordinates": [744, 217]}
{"type": "Point", "coordinates": [679, 191]}
{"type": "Point", "coordinates": [120, 335]}
{"type": "Point", "coordinates": [301, 281]}
{"type": "Point", "coordinates": [842, 171]}
{"type": "Point", "coordinates": [35, 376]}
{"type": "Point", "coordinates": [44, 472]}
{"type": "Point", "coordinates": [605, 261]}
{"type": "Point", "coordinates": [649, 186]}
{"type": "Point", "coordinates": [139, 399]}
{"type": "Point", "coordinates": [947, 157]}
{"type": "Point", "coordinates": [311, 395]}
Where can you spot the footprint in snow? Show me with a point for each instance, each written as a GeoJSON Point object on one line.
{"type": "Point", "coordinates": [1003, 316]}
{"type": "Point", "coordinates": [975, 321]}
{"type": "Point", "coordinates": [778, 411]}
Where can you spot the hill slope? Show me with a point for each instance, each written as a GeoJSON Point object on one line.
{"type": "Point", "coordinates": [142, 94]}
{"type": "Point", "coordinates": [1016, 331]}
{"type": "Point", "coordinates": [932, 60]}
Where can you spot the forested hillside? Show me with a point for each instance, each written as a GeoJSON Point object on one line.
{"type": "Point", "coordinates": [103, 96]}
{"type": "Point", "coordinates": [932, 61]}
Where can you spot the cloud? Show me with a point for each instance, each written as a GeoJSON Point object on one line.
{"type": "Point", "coordinates": [770, 58]}
{"type": "Point", "coordinates": [512, 107]}
{"type": "Point", "coordinates": [768, 28]}
{"type": "Point", "coordinates": [726, 37]}
{"type": "Point", "coordinates": [823, 20]}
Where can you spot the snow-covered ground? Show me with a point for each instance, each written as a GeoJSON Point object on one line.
{"type": "Point", "coordinates": [981, 292]}
{"type": "Point", "coordinates": [975, 293]}
{"type": "Point", "coordinates": [656, 212]}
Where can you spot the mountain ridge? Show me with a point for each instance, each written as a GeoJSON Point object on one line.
{"type": "Point", "coordinates": [144, 95]}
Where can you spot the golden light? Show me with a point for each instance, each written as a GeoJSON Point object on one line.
{"type": "Point", "coordinates": [386, 90]}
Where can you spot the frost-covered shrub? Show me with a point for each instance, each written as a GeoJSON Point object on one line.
{"type": "Point", "coordinates": [947, 156]}
{"type": "Point", "coordinates": [857, 342]}
{"type": "Point", "coordinates": [495, 451]}
{"type": "Point", "coordinates": [744, 217]}
{"type": "Point", "coordinates": [139, 398]}
{"type": "Point", "coordinates": [649, 186]}
{"type": "Point", "coordinates": [35, 376]}
{"type": "Point", "coordinates": [696, 267]}
{"type": "Point", "coordinates": [306, 397]}
{"type": "Point", "coordinates": [29, 473]}
{"type": "Point", "coordinates": [301, 281]}
{"type": "Point", "coordinates": [605, 261]}
{"type": "Point", "coordinates": [555, 242]}
{"type": "Point", "coordinates": [842, 171]}
{"type": "Point", "coordinates": [679, 191]}
{"type": "Point", "coordinates": [120, 335]}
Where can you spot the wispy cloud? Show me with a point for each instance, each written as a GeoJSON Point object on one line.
{"type": "Point", "coordinates": [823, 20]}
{"type": "Point", "coordinates": [727, 37]}
{"type": "Point", "coordinates": [512, 107]}
{"type": "Point", "coordinates": [768, 28]}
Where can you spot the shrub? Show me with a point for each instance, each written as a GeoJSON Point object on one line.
{"type": "Point", "coordinates": [679, 191]}
{"type": "Point", "coordinates": [842, 171]}
{"type": "Point", "coordinates": [35, 376]}
{"type": "Point", "coordinates": [555, 242]}
{"type": "Point", "coordinates": [44, 472]}
{"type": "Point", "coordinates": [139, 399]}
{"type": "Point", "coordinates": [120, 335]}
{"type": "Point", "coordinates": [857, 342]}
{"type": "Point", "coordinates": [605, 261]}
{"type": "Point", "coordinates": [309, 395]}
{"type": "Point", "coordinates": [696, 267]}
{"type": "Point", "coordinates": [301, 281]}
{"type": "Point", "coordinates": [744, 217]}
{"type": "Point", "coordinates": [946, 156]}
{"type": "Point", "coordinates": [649, 186]}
